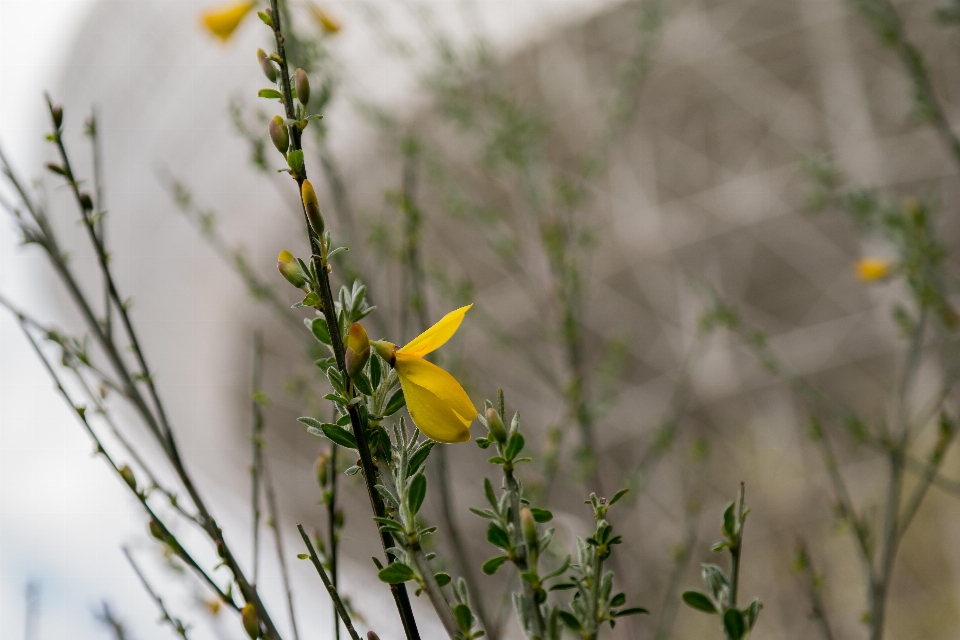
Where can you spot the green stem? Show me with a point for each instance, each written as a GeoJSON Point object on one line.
{"type": "Point", "coordinates": [332, 590]}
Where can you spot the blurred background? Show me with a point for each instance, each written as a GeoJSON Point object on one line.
{"type": "Point", "coordinates": [592, 174]}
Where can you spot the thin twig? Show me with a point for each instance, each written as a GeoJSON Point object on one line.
{"type": "Point", "coordinates": [256, 440]}
{"type": "Point", "coordinates": [814, 590]}
{"type": "Point", "coordinates": [175, 623]}
{"type": "Point", "coordinates": [338, 603]}
{"type": "Point", "coordinates": [274, 512]}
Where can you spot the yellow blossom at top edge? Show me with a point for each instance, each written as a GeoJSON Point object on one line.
{"type": "Point", "coordinates": [328, 23]}
{"type": "Point", "coordinates": [437, 403]}
{"type": "Point", "coordinates": [873, 269]}
{"type": "Point", "coordinates": [224, 20]}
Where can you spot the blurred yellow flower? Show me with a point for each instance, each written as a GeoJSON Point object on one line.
{"type": "Point", "coordinates": [328, 23]}
{"type": "Point", "coordinates": [872, 269]}
{"type": "Point", "coordinates": [224, 20]}
{"type": "Point", "coordinates": [439, 406]}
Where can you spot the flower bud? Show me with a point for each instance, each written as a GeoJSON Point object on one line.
{"type": "Point", "coordinates": [56, 112]}
{"type": "Point", "coordinates": [266, 65]}
{"type": "Point", "coordinates": [497, 431]}
{"type": "Point", "coordinates": [248, 615]}
{"type": "Point", "coordinates": [127, 474]}
{"type": "Point", "coordinates": [358, 349]}
{"type": "Point", "coordinates": [279, 134]}
{"type": "Point", "coordinates": [290, 270]}
{"type": "Point", "coordinates": [302, 83]}
{"type": "Point", "coordinates": [873, 269]}
{"type": "Point", "coordinates": [529, 528]}
{"type": "Point", "coordinates": [157, 531]}
{"type": "Point", "coordinates": [321, 468]}
{"type": "Point", "coordinates": [327, 23]}
{"type": "Point", "coordinates": [312, 205]}
{"type": "Point", "coordinates": [86, 201]}
{"type": "Point", "coordinates": [372, 636]}
{"type": "Point", "coordinates": [386, 350]}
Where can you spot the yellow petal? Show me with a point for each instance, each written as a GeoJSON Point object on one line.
{"type": "Point", "coordinates": [872, 269]}
{"type": "Point", "coordinates": [328, 23]}
{"type": "Point", "coordinates": [223, 21]}
{"type": "Point", "coordinates": [444, 386]}
{"type": "Point", "coordinates": [432, 416]}
{"type": "Point", "coordinates": [437, 335]}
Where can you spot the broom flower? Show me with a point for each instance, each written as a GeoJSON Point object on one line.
{"type": "Point", "coordinates": [437, 403]}
{"type": "Point", "coordinates": [223, 21]}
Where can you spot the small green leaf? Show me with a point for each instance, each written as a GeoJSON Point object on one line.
{"type": "Point", "coordinates": [632, 611]}
{"type": "Point", "coordinates": [488, 492]}
{"type": "Point", "coordinates": [514, 446]}
{"type": "Point", "coordinates": [352, 471]}
{"type": "Point", "coordinates": [397, 402]}
{"type": "Point", "coordinates": [464, 618]}
{"type": "Point", "coordinates": [418, 491]}
{"type": "Point", "coordinates": [616, 497]}
{"type": "Point", "coordinates": [699, 601]}
{"type": "Point", "coordinates": [752, 612]}
{"type": "Point", "coordinates": [733, 624]}
{"type": "Point", "coordinates": [570, 620]}
{"type": "Point", "coordinates": [265, 18]}
{"type": "Point", "coordinates": [497, 536]}
{"type": "Point", "coordinates": [339, 435]}
{"type": "Point", "coordinates": [396, 573]}
{"type": "Point", "coordinates": [493, 565]}
{"type": "Point", "coordinates": [310, 422]}
{"type": "Point", "coordinates": [443, 579]}
{"type": "Point", "coordinates": [295, 161]}
{"type": "Point", "coordinates": [320, 331]}
{"type": "Point", "coordinates": [271, 94]}
{"type": "Point", "coordinates": [729, 524]}
{"type": "Point", "coordinates": [541, 515]}
{"type": "Point", "coordinates": [420, 456]}
{"type": "Point", "coordinates": [375, 371]}
{"type": "Point", "coordinates": [618, 600]}
{"type": "Point", "coordinates": [363, 384]}
{"type": "Point", "coordinates": [303, 556]}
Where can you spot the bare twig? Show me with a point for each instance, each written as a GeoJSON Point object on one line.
{"type": "Point", "coordinates": [338, 603]}
{"type": "Point", "coordinates": [175, 623]}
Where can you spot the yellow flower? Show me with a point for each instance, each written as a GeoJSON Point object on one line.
{"type": "Point", "coordinates": [439, 406]}
{"type": "Point", "coordinates": [872, 269]}
{"type": "Point", "coordinates": [223, 21]}
{"type": "Point", "coordinates": [328, 23]}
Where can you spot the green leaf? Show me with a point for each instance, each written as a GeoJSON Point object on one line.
{"type": "Point", "coordinates": [272, 94]}
{"type": "Point", "coordinates": [488, 492]}
{"type": "Point", "coordinates": [752, 612]}
{"type": "Point", "coordinates": [514, 446]}
{"type": "Point", "coordinates": [483, 513]}
{"type": "Point", "coordinates": [363, 384]}
{"type": "Point", "coordinates": [265, 18]}
{"type": "Point", "coordinates": [417, 492]}
{"type": "Point", "coordinates": [443, 579]}
{"type": "Point", "coordinates": [295, 161]}
{"type": "Point", "coordinates": [396, 573]}
{"type": "Point", "coordinates": [339, 435]}
{"type": "Point", "coordinates": [420, 456]}
{"type": "Point", "coordinates": [375, 371]}
{"type": "Point", "coordinates": [310, 422]}
{"type": "Point", "coordinates": [617, 496]}
{"type": "Point", "coordinates": [733, 624]}
{"type": "Point", "coordinates": [699, 601]}
{"type": "Point", "coordinates": [303, 556]}
{"type": "Point", "coordinates": [570, 620]}
{"type": "Point", "coordinates": [498, 537]}
{"type": "Point", "coordinates": [397, 402]}
{"type": "Point", "coordinates": [493, 565]}
{"type": "Point", "coordinates": [352, 471]}
{"type": "Point", "coordinates": [320, 331]}
{"type": "Point", "coordinates": [632, 611]}
{"type": "Point", "coordinates": [618, 600]}
{"type": "Point", "coordinates": [464, 618]}
{"type": "Point", "coordinates": [715, 580]}
{"type": "Point", "coordinates": [729, 522]}
{"type": "Point", "coordinates": [309, 300]}
{"type": "Point", "coordinates": [541, 515]}
{"type": "Point", "coordinates": [386, 524]}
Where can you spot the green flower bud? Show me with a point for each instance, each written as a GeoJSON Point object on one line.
{"type": "Point", "coordinates": [497, 431]}
{"type": "Point", "coordinates": [529, 528]}
{"type": "Point", "coordinates": [56, 112]}
{"type": "Point", "coordinates": [312, 205]}
{"type": "Point", "coordinates": [279, 134]}
{"type": "Point", "coordinates": [157, 530]}
{"type": "Point", "coordinates": [321, 468]}
{"type": "Point", "coordinates": [302, 83]}
{"type": "Point", "coordinates": [358, 349]}
{"type": "Point", "coordinates": [86, 201]}
{"type": "Point", "coordinates": [127, 474]}
{"type": "Point", "coordinates": [290, 270]}
{"type": "Point", "coordinates": [386, 350]}
{"type": "Point", "coordinates": [248, 615]}
{"type": "Point", "coordinates": [268, 69]}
